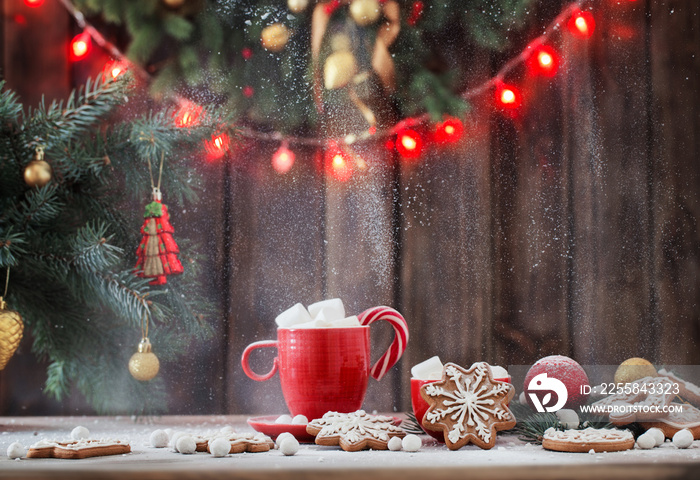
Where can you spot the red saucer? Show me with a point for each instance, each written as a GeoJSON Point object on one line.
{"type": "Point", "coordinates": [268, 426]}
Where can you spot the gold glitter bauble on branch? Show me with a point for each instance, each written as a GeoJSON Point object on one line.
{"type": "Point", "coordinates": [633, 369]}
{"type": "Point", "coordinates": [38, 172]}
{"type": "Point", "coordinates": [11, 329]}
{"type": "Point", "coordinates": [274, 37]}
{"type": "Point", "coordinates": [144, 365]}
{"type": "Point", "coordinates": [297, 6]}
{"type": "Point", "coordinates": [365, 12]}
{"type": "Point", "coordinates": [174, 3]}
{"type": "Point", "coordinates": [339, 69]}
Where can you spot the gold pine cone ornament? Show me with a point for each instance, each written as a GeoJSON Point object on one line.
{"type": "Point", "coordinates": [11, 330]}
{"type": "Point", "coordinates": [144, 365]}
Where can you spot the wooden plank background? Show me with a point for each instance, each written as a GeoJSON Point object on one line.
{"type": "Point", "coordinates": [570, 228]}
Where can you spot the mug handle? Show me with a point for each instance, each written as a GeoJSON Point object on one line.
{"type": "Point", "coordinates": [246, 366]}
{"type": "Point", "coordinates": [397, 347]}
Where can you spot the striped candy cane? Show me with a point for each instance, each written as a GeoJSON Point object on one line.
{"type": "Point", "coordinates": [397, 347]}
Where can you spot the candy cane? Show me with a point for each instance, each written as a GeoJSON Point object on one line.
{"type": "Point", "coordinates": [397, 347]}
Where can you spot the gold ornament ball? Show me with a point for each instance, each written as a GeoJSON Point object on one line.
{"type": "Point", "coordinates": [297, 6]}
{"type": "Point", "coordinates": [37, 173]}
{"type": "Point", "coordinates": [274, 37]}
{"type": "Point", "coordinates": [11, 329]}
{"type": "Point", "coordinates": [174, 3]}
{"type": "Point", "coordinates": [633, 369]}
{"type": "Point", "coordinates": [339, 69]}
{"type": "Point", "coordinates": [365, 12]}
{"type": "Point", "coordinates": [144, 365]}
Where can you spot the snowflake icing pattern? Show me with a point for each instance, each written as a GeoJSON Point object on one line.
{"type": "Point", "coordinates": [471, 404]}
{"type": "Point", "coordinates": [356, 427]}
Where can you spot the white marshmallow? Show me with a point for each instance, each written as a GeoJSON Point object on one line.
{"type": "Point", "coordinates": [394, 444]}
{"type": "Point", "coordinates": [646, 441]}
{"type": "Point", "coordinates": [284, 419]}
{"type": "Point", "coordinates": [16, 450]}
{"type": "Point", "coordinates": [159, 439]}
{"type": "Point", "coordinates": [79, 432]}
{"type": "Point", "coordinates": [293, 316]}
{"type": "Point", "coordinates": [280, 438]}
{"type": "Point", "coordinates": [683, 438]}
{"type": "Point", "coordinates": [220, 447]}
{"type": "Point", "coordinates": [568, 418]}
{"type": "Point", "coordinates": [498, 372]}
{"type": "Point", "coordinates": [186, 444]}
{"type": "Point", "coordinates": [317, 323]}
{"type": "Point", "coordinates": [346, 322]}
{"type": "Point", "coordinates": [430, 369]}
{"type": "Point", "coordinates": [411, 443]}
{"type": "Point", "coordinates": [289, 446]}
{"type": "Point", "coordinates": [658, 435]}
{"type": "Point", "coordinates": [332, 309]}
{"type": "Point", "coordinates": [300, 420]}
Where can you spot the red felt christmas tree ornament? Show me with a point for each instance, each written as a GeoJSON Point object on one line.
{"type": "Point", "coordinates": [157, 252]}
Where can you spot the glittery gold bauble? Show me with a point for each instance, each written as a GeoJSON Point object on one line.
{"type": "Point", "coordinates": [37, 173]}
{"type": "Point", "coordinates": [339, 69]}
{"type": "Point", "coordinates": [633, 369]}
{"type": "Point", "coordinates": [365, 12]}
{"type": "Point", "coordinates": [174, 3]}
{"type": "Point", "coordinates": [11, 328]}
{"type": "Point", "coordinates": [144, 365]}
{"type": "Point", "coordinates": [274, 37]}
{"type": "Point", "coordinates": [297, 6]}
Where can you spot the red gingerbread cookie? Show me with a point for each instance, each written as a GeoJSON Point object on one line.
{"type": "Point", "coordinates": [468, 406]}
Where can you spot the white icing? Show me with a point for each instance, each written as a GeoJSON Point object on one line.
{"type": "Point", "coordinates": [356, 426]}
{"type": "Point", "coordinates": [689, 417]}
{"type": "Point", "coordinates": [588, 435]}
{"type": "Point", "coordinates": [473, 402]}
{"type": "Point", "coordinates": [79, 444]}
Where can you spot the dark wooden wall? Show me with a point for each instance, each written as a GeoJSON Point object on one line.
{"type": "Point", "coordinates": [570, 228]}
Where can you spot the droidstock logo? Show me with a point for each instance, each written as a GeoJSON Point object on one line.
{"type": "Point", "coordinates": [546, 394]}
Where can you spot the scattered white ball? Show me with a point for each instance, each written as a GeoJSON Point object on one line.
{"type": "Point", "coordinates": [522, 398]}
{"type": "Point", "coordinates": [16, 450]}
{"type": "Point", "coordinates": [220, 447]}
{"type": "Point", "coordinates": [289, 446]}
{"type": "Point", "coordinates": [282, 436]}
{"type": "Point", "coordinates": [683, 438]}
{"type": "Point", "coordinates": [159, 439]}
{"type": "Point", "coordinates": [227, 430]}
{"type": "Point", "coordinates": [300, 420]}
{"type": "Point", "coordinates": [186, 444]}
{"type": "Point", "coordinates": [174, 437]}
{"type": "Point", "coordinates": [79, 432]}
{"type": "Point", "coordinates": [658, 435]}
{"type": "Point", "coordinates": [568, 418]}
{"type": "Point", "coordinates": [286, 419]}
{"type": "Point", "coordinates": [646, 441]}
{"type": "Point", "coordinates": [394, 444]}
{"type": "Point", "coordinates": [411, 443]}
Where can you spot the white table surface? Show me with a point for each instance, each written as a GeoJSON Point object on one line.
{"type": "Point", "coordinates": [510, 458]}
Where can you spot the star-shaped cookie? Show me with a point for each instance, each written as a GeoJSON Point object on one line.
{"type": "Point", "coordinates": [468, 406]}
{"type": "Point", "coordinates": [354, 431]}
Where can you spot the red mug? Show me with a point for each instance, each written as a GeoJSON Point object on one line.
{"type": "Point", "coordinates": [327, 369]}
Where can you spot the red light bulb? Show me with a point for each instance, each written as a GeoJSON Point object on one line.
{"type": "Point", "coordinates": [581, 24]}
{"type": "Point", "coordinates": [283, 159]}
{"type": "Point", "coordinates": [409, 144]}
{"type": "Point", "coordinates": [217, 146]}
{"type": "Point", "coordinates": [338, 163]}
{"type": "Point", "coordinates": [544, 61]}
{"type": "Point", "coordinates": [80, 46]}
{"type": "Point", "coordinates": [188, 115]}
{"type": "Point", "coordinates": [508, 97]}
{"type": "Point", "coordinates": [34, 3]}
{"type": "Point", "coordinates": [449, 131]}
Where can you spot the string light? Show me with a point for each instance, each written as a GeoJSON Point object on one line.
{"type": "Point", "coordinates": [80, 46]}
{"type": "Point", "coordinates": [581, 24]}
{"type": "Point", "coordinates": [544, 61]}
{"type": "Point", "coordinates": [188, 115]}
{"type": "Point", "coordinates": [114, 69]}
{"type": "Point", "coordinates": [217, 146]}
{"type": "Point", "coordinates": [338, 163]}
{"type": "Point", "coordinates": [409, 144]}
{"type": "Point", "coordinates": [283, 159]}
{"type": "Point", "coordinates": [449, 131]}
{"type": "Point", "coordinates": [34, 3]}
{"type": "Point", "coordinates": [508, 96]}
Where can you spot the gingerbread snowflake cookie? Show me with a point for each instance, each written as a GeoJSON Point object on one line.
{"type": "Point", "coordinates": [242, 442]}
{"type": "Point", "coordinates": [582, 441]}
{"type": "Point", "coordinates": [468, 406]}
{"type": "Point", "coordinates": [354, 431]}
{"type": "Point", "coordinates": [77, 449]}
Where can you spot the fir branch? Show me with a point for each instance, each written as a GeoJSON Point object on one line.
{"type": "Point", "coordinates": [40, 206]}
{"type": "Point", "coordinates": [11, 246]}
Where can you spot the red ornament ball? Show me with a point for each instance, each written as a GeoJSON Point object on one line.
{"type": "Point", "coordinates": [567, 371]}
